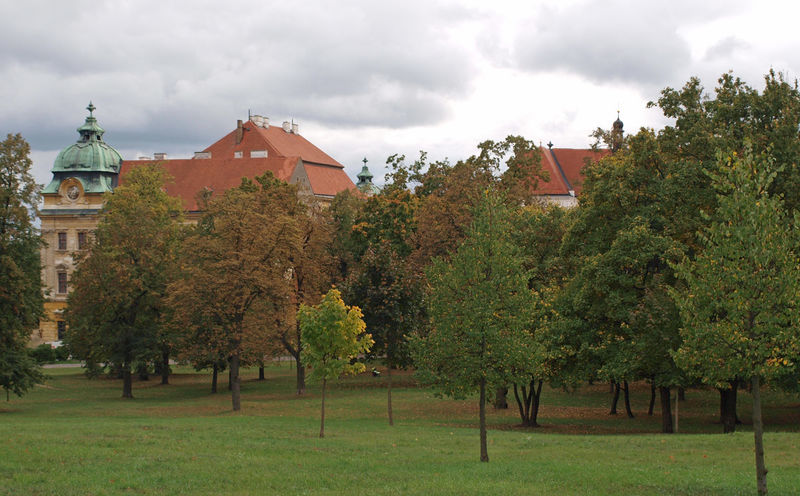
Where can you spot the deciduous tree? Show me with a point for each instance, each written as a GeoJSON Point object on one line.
{"type": "Point", "coordinates": [237, 272]}
{"type": "Point", "coordinates": [480, 308]}
{"type": "Point", "coordinates": [740, 306]}
{"type": "Point", "coordinates": [21, 301]}
{"type": "Point", "coordinates": [116, 306]}
{"type": "Point", "coordinates": [333, 338]}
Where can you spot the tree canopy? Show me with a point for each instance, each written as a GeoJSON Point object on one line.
{"type": "Point", "coordinates": [480, 309]}
{"type": "Point", "coordinates": [21, 299]}
{"type": "Point", "coordinates": [333, 338]}
{"type": "Point", "coordinates": [116, 307]}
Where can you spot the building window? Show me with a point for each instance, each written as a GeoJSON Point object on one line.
{"type": "Point", "coordinates": [62, 283]}
{"type": "Point", "coordinates": [81, 240]}
{"type": "Point", "coordinates": [62, 241]}
{"type": "Point", "coordinates": [62, 328]}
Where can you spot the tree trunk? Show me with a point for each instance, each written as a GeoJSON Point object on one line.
{"type": "Point", "coordinates": [501, 398]}
{"type": "Point", "coordinates": [666, 412]}
{"type": "Point", "coordinates": [389, 393]}
{"type": "Point", "coordinates": [214, 379]}
{"type": "Point", "coordinates": [127, 381]}
{"type": "Point", "coordinates": [758, 436]}
{"type": "Point", "coordinates": [627, 400]}
{"type": "Point", "coordinates": [727, 407]}
{"type": "Point", "coordinates": [322, 411]}
{"type": "Point", "coordinates": [528, 404]}
{"type": "Point", "coordinates": [301, 370]}
{"type": "Point", "coordinates": [165, 365]}
{"type": "Point", "coordinates": [482, 421]}
{"type": "Point", "coordinates": [142, 372]}
{"type": "Point", "coordinates": [681, 393]}
{"type": "Point", "coordinates": [652, 398]}
{"type": "Point", "coordinates": [230, 378]}
{"type": "Point", "coordinates": [535, 408]}
{"type": "Point", "coordinates": [301, 376]}
{"type": "Point", "coordinates": [261, 373]}
{"type": "Point", "coordinates": [236, 392]}
{"type": "Point", "coordinates": [614, 399]}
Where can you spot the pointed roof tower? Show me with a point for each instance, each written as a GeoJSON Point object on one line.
{"type": "Point", "coordinates": [616, 134]}
{"type": "Point", "coordinates": [364, 183]}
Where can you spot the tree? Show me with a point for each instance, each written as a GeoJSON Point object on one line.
{"type": "Point", "coordinates": [479, 305]}
{"type": "Point", "coordinates": [115, 310]}
{"type": "Point", "coordinates": [380, 280]}
{"type": "Point", "coordinates": [538, 231]}
{"type": "Point", "coordinates": [134, 258]}
{"type": "Point", "coordinates": [312, 269]}
{"type": "Point", "coordinates": [21, 300]}
{"type": "Point", "coordinates": [236, 273]}
{"type": "Point", "coordinates": [740, 305]}
{"type": "Point", "coordinates": [621, 323]}
{"type": "Point", "coordinates": [393, 302]}
{"type": "Point", "coordinates": [706, 125]}
{"type": "Point", "coordinates": [333, 338]}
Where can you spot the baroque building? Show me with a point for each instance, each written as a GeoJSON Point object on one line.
{"type": "Point", "coordinates": [84, 171]}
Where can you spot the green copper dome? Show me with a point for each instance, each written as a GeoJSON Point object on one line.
{"type": "Point", "coordinates": [90, 160]}
{"type": "Point", "coordinates": [364, 183]}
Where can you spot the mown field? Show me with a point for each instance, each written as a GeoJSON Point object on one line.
{"type": "Point", "coordinates": [76, 436]}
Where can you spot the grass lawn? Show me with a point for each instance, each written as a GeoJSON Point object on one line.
{"type": "Point", "coordinates": [75, 436]}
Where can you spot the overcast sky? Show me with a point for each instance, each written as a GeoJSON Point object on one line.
{"type": "Point", "coordinates": [368, 78]}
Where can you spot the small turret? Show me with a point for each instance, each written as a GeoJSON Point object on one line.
{"type": "Point", "coordinates": [616, 134]}
{"type": "Point", "coordinates": [364, 183]}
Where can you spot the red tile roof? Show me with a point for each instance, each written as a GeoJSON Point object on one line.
{"type": "Point", "coordinates": [222, 171]}
{"type": "Point", "coordinates": [564, 165]}
{"type": "Point", "coordinates": [275, 140]}
{"type": "Point", "coordinates": [192, 175]}
{"type": "Point", "coordinates": [327, 180]}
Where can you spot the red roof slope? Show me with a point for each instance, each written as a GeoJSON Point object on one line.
{"type": "Point", "coordinates": [275, 140]}
{"type": "Point", "coordinates": [190, 176]}
{"type": "Point", "coordinates": [565, 166]}
{"type": "Point", "coordinates": [223, 170]}
{"type": "Point", "coordinates": [327, 180]}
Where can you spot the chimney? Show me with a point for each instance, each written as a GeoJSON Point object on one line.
{"type": "Point", "coordinates": [159, 156]}
{"type": "Point", "coordinates": [287, 126]}
{"type": "Point", "coordinates": [260, 121]}
{"type": "Point", "coordinates": [239, 131]}
{"type": "Point", "coordinates": [295, 128]}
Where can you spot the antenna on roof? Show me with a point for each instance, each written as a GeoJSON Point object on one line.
{"type": "Point", "coordinates": [248, 114]}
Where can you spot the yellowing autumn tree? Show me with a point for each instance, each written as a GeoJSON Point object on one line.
{"type": "Point", "coordinates": [333, 337]}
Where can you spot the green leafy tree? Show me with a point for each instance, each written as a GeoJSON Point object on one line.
{"type": "Point", "coordinates": [538, 231]}
{"type": "Point", "coordinates": [740, 306]}
{"type": "Point", "coordinates": [333, 338]}
{"type": "Point", "coordinates": [480, 307]}
{"type": "Point", "coordinates": [393, 303]}
{"type": "Point", "coordinates": [620, 323]}
{"type": "Point", "coordinates": [115, 310]}
{"type": "Point", "coordinates": [722, 121]}
{"type": "Point", "coordinates": [21, 300]}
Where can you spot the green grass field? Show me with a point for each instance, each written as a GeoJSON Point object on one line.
{"type": "Point", "coordinates": [76, 436]}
